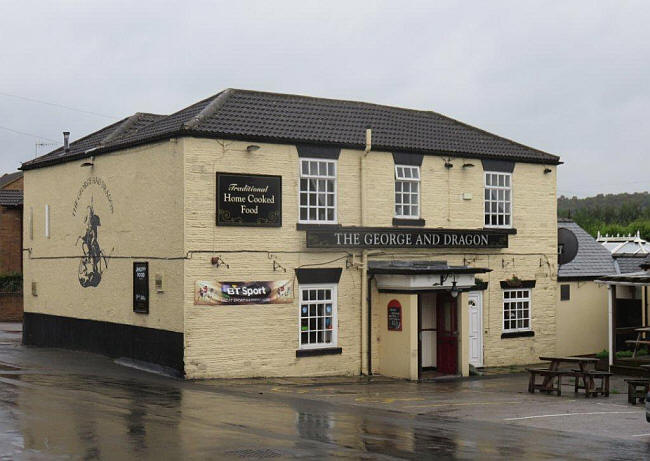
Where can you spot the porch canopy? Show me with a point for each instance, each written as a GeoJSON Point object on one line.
{"type": "Point", "coordinates": [415, 276]}
{"type": "Point", "coordinates": [634, 279]}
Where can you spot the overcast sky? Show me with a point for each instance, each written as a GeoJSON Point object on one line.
{"type": "Point", "coordinates": [568, 77]}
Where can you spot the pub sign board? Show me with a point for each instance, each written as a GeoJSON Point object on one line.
{"type": "Point", "coordinates": [141, 287]}
{"type": "Point", "coordinates": [249, 200]}
{"type": "Point", "coordinates": [367, 237]}
{"type": "Point", "coordinates": [394, 316]}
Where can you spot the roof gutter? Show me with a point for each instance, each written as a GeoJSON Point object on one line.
{"type": "Point", "coordinates": [187, 131]}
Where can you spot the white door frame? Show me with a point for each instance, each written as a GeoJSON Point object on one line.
{"type": "Point", "coordinates": [479, 296]}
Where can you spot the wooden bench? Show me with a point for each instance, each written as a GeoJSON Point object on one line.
{"type": "Point", "coordinates": [592, 389]}
{"type": "Point", "coordinates": [641, 331]}
{"type": "Point", "coordinates": [637, 388]}
{"type": "Point", "coordinates": [552, 380]}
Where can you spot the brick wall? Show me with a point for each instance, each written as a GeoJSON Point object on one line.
{"type": "Point", "coordinates": [16, 185]}
{"type": "Point", "coordinates": [11, 307]}
{"type": "Point", "coordinates": [10, 239]}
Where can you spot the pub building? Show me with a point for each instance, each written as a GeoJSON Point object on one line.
{"type": "Point", "coordinates": [256, 234]}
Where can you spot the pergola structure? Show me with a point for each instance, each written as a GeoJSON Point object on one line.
{"type": "Point", "coordinates": [628, 311]}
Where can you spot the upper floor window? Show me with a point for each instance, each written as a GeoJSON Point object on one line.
{"type": "Point", "coordinates": [407, 191]}
{"type": "Point", "coordinates": [498, 199]}
{"type": "Point", "coordinates": [317, 191]}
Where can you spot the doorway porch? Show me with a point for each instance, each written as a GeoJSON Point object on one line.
{"type": "Point", "coordinates": [424, 314]}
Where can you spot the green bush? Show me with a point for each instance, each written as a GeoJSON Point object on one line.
{"type": "Point", "coordinates": [628, 354]}
{"type": "Point", "coordinates": [604, 354]}
{"type": "Point", "coordinates": [623, 354]}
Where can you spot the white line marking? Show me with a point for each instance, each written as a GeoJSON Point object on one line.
{"type": "Point", "coordinates": [572, 414]}
{"type": "Point", "coordinates": [640, 435]}
{"type": "Point", "coordinates": [612, 405]}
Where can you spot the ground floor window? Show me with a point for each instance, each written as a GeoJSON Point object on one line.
{"type": "Point", "coordinates": [516, 310]}
{"type": "Point", "coordinates": [318, 325]}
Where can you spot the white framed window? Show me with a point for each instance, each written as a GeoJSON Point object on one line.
{"type": "Point", "coordinates": [317, 191]}
{"type": "Point", "coordinates": [498, 199]}
{"type": "Point", "coordinates": [318, 318]}
{"type": "Point", "coordinates": [516, 310]}
{"type": "Point", "coordinates": [407, 191]}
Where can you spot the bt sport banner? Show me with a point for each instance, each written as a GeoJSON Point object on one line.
{"type": "Point", "coordinates": [232, 293]}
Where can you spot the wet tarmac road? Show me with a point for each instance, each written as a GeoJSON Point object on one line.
{"type": "Point", "coordinates": [69, 405]}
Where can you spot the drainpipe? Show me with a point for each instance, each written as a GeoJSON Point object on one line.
{"type": "Point", "coordinates": [610, 293]}
{"type": "Point", "coordinates": [365, 306]}
{"type": "Point", "coordinates": [369, 302]}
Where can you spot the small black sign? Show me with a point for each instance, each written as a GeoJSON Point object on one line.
{"type": "Point", "coordinates": [141, 287]}
{"type": "Point", "coordinates": [249, 200]}
{"type": "Point", "coordinates": [367, 237]}
{"type": "Point", "coordinates": [394, 316]}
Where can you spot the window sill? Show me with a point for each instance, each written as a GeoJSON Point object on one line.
{"type": "Point", "coordinates": [502, 230]}
{"type": "Point", "coordinates": [315, 226]}
{"type": "Point", "coordinates": [408, 222]}
{"type": "Point", "coordinates": [315, 352]}
{"type": "Point", "coordinates": [518, 334]}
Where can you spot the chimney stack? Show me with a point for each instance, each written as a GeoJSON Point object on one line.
{"type": "Point", "coordinates": [66, 136]}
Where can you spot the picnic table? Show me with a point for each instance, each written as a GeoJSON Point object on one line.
{"type": "Point", "coordinates": [582, 362]}
{"type": "Point", "coordinates": [640, 332]}
{"type": "Point", "coordinates": [553, 375]}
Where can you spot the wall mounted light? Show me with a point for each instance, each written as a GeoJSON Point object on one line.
{"type": "Point", "coordinates": [89, 163]}
{"type": "Point", "coordinates": [448, 164]}
{"type": "Point", "coordinates": [252, 148]}
{"type": "Point", "coordinates": [468, 165]}
{"type": "Point", "coordinates": [547, 170]}
{"type": "Point", "coordinates": [454, 290]}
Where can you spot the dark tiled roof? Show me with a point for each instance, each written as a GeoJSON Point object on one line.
{"type": "Point", "coordinates": [8, 178]}
{"type": "Point", "coordinates": [284, 118]}
{"type": "Point", "coordinates": [592, 259]}
{"type": "Point", "coordinates": [646, 263]}
{"type": "Point", "coordinates": [630, 263]}
{"type": "Point", "coordinates": [11, 197]}
{"type": "Point", "coordinates": [641, 276]}
{"type": "Point", "coordinates": [103, 137]}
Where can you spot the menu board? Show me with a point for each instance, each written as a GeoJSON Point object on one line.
{"type": "Point", "coordinates": [249, 200]}
{"type": "Point", "coordinates": [141, 287]}
{"type": "Point", "coordinates": [394, 316]}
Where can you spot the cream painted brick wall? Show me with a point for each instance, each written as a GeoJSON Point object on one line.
{"type": "Point", "coordinates": [497, 351]}
{"type": "Point", "coordinates": [145, 185]}
{"type": "Point", "coordinates": [261, 340]}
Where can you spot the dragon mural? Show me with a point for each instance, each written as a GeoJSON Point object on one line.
{"type": "Point", "coordinates": [94, 261]}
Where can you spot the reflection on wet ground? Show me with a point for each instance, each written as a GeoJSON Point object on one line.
{"type": "Point", "coordinates": [82, 406]}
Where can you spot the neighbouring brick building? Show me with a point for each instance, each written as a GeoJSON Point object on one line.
{"type": "Point", "coordinates": [262, 234]}
{"type": "Point", "coordinates": [11, 234]}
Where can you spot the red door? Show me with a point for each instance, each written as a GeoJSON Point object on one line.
{"type": "Point", "coordinates": [447, 326]}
